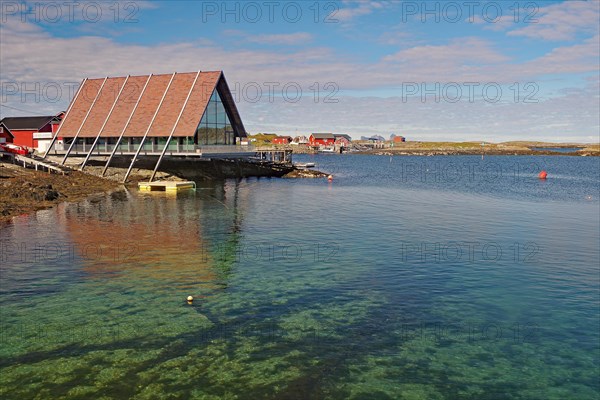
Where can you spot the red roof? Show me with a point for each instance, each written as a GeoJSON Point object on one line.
{"type": "Point", "coordinates": [104, 104]}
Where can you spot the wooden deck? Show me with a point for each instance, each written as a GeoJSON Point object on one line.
{"type": "Point", "coordinates": [35, 163]}
{"type": "Point", "coordinates": [166, 186]}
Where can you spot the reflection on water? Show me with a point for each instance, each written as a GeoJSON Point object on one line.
{"type": "Point", "coordinates": [373, 286]}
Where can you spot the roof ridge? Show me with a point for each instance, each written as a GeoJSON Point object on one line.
{"type": "Point", "coordinates": [145, 75]}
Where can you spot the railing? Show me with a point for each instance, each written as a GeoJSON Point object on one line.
{"type": "Point", "coordinates": [148, 148]}
{"type": "Point", "coordinates": [228, 149]}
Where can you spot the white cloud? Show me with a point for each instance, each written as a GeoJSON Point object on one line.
{"type": "Point", "coordinates": [459, 51]}
{"type": "Point", "coordinates": [286, 39]}
{"type": "Point", "coordinates": [359, 9]}
{"type": "Point", "coordinates": [556, 22]}
{"type": "Point", "coordinates": [25, 50]}
{"type": "Point", "coordinates": [569, 117]}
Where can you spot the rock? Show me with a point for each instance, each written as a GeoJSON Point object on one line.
{"type": "Point", "coordinates": [305, 173]}
{"type": "Point", "coordinates": [51, 194]}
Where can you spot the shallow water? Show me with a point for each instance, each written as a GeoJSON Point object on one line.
{"type": "Point", "coordinates": [406, 277]}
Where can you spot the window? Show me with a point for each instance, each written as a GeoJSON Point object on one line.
{"type": "Point", "coordinates": [215, 127]}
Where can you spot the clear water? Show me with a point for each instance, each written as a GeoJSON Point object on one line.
{"type": "Point", "coordinates": [406, 277]}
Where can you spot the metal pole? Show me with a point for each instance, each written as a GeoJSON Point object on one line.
{"type": "Point", "coordinates": [148, 130]}
{"type": "Point", "coordinates": [65, 117]}
{"type": "Point", "coordinates": [173, 130]}
{"type": "Point", "coordinates": [83, 123]}
{"type": "Point", "coordinates": [125, 127]}
{"type": "Point", "coordinates": [104, 124]}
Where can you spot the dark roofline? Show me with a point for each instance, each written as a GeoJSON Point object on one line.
{"type": "Point", "coordinates": [6, 129]}
{"type": "Point", "coordinates": [27, 123]}
{"type": "Point", "coordinates": [323, 135]}
{"type": "Point", "coordinates": [230, 108]}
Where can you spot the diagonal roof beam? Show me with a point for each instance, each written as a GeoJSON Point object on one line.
{"type": "Point", "coordinates": [83, 122]}
{"type": "Point", "coordinates": [114, 150]}
{"type": "Point", "coordinates": [104, 124]}
{"type": "Point", "coordinates": [137, 153]}
{"type": "Point", "coordinates": [65, 117]}
{"type": "Point", "coordinates": [174, 127]}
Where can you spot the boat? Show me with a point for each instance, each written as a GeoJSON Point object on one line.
{"type": "Point", "coordinates": [304, 165]}
{"type": "Point", "coordinates": [327, 150]}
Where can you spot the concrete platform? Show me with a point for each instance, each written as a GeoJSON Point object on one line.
{"type": "Point", "coordinates": [166, 186]}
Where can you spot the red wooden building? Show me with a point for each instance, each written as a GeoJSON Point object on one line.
{"type": "Point", "coordinates": [281, 140]}
{"type": "Point", "coordinates": [342, 139]}
{"type": "Point", "coordinates": [321, 139]}
{"type": "Point", "coordinates": [32, 132]}
{"type": "Point", "coordinates": [5, 135]}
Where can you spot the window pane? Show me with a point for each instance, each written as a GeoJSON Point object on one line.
{"type": "Point", "coordinates": [221, 115]}
{"type": "Point", "coordinates": [215, 127]}
{"type": "Point", "coordinates": [221, 136]}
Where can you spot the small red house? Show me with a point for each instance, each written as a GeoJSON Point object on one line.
{"type": "Point", "coordinates": [33, 132]}
{"type": "Point", "coordinates": [5, 135]}
{"type": "Point", "coordinates": [342, 140]}
{"type": "Point", "coordinates": [321, 139]}
{"type": "Point", "coordinates": [281, 140]}
{"type": "Point", "coordinates": [399, 139]}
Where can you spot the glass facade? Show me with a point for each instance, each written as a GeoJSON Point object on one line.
{"type": "Point", "coordinates": [215, 127]}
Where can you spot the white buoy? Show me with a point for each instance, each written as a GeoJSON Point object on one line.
{"type": "Point", "coordinates": [190, 298]}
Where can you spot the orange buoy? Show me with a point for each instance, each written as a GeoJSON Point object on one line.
{"type": "Point", "coordinates": [330, 178]}
{"type": "Point", "coordinates": [543, 175]}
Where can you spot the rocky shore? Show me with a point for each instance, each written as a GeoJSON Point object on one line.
{"type": "Point", "coordinates": [305, 173]}
{"type": "Point", "coordinates": [24, 191]}
{"type": "Point", "coordinates": [473, 148]}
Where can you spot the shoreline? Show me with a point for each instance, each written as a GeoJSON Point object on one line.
{"type": "Point", "coordinates": [25, 191]}
{"type": "Point", "coordinates": [473, 152]}
{"type": "Point", "coordinates": [464, 148]}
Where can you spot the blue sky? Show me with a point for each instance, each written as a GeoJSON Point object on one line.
{"type": "Point", "coordinates": [497, 70]}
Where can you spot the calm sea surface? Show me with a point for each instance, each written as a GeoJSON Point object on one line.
{"type": "Point", "coordinates": [558, 149]}
{"type": "Point", "coordinates": [404, 278]}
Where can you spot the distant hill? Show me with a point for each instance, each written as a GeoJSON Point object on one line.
{"type": "Point", "coordinates": [262, 138]}
{"type": "Point", "coordinates": [374, 137]}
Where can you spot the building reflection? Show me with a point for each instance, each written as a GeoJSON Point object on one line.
{"type": "Point", "coordinates": [180, 240]}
